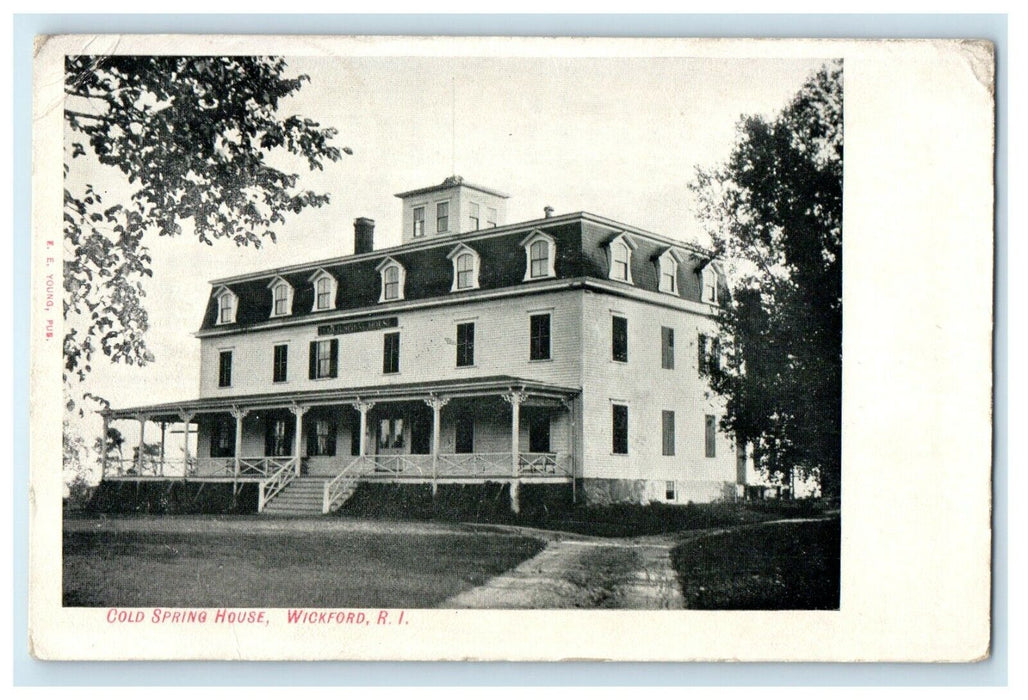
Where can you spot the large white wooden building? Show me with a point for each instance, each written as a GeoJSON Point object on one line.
{"type": "Point", "coordinates": [568, 349]}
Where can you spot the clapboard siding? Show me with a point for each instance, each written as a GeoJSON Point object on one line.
{"type": "Point", "coordinates": [427, 348]}
{"type": "Point", "coordinates": [648, 389]}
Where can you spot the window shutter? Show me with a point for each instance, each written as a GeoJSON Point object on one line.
{"type": "Point", "coordinates": [701, 359]}
{"type": "Point", "coordinates": [333, 361]}
{"type": "Point", "coordinates": [715, 354]}
{"type": "Point", "coordinates": [313, 364]}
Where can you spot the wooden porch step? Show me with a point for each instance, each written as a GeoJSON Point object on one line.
{"type": "Point", "coordinates": [302, 496]}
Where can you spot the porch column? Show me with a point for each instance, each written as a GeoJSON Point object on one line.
{"type": "Point", "coordinates": [239, 414]}
{"type": "Point", "coordinates": [569, 404]}
{"type": "Point", "coordinates": [363, 407]}
{"type": "Point", "coordinates": [103, 445]}
{"type": "Point", "coordinates": [187, 419]}
{"type": "Point", "coordinates": [515, 398]}
{"type": "Point", "coordinates": [139, 455]}
{"type": "Point", "coordinates": [436, 403]}
{"type": "Point", "coordinates": [163, 430]}
{"type": "Point", "coordinates": [298, 411]}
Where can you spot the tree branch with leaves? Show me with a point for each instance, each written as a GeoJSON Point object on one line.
{"type": "Point", "coordinates": [190, 137]}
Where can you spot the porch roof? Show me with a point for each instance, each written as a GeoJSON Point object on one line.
{"type": "Point", "coordinates": [451, 388]}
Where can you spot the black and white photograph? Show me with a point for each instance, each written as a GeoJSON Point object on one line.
{"type": "Point", "coordinates": [347, 337]}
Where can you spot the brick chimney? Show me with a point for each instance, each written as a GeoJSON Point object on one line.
{"type": "Point", "coordinates": [363, 235]}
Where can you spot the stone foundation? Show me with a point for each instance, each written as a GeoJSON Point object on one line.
{"type": "Point", "coordinates": [643, 491]}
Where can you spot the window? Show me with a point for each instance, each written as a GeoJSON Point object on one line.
{"type": "Point", "coordinates": [393, 277]}
{"type": "Point", "coordinates": [708, 354]}
{"type": "Point", "coordinates": [667, 272]}
{"type": "Point", "coordinates": [490, 217]}
{"type": "Point", "coordinates": [465, 268]}
{"type": "Point", "coordinates": [419, 222]}
{"type": "Point", "coordinates": [667, 433]}
{"type": "Point", "coordinates": [619, 339]}
{"type": "Point", "coordinates": [282, 297]}
{"type": "Point", "coordinates": [539, 337]}
{"type": "Point", "coordinates": [278, 440]}
{"type": "Point", "coordinates": [710, 430]}
{"type": "Point", "coordinates": [225, 368]}
{"type": "Point", "coordinates": [391, 353]}
{"type": "Point", "coordinates": [669, 491]}
{"type": "Point", "coordinates": [321, 439]}
{"type": "Point", "coordinates": [464, 435]}
{"type": "Point", "coordinates": [390, 433]}
{"type": "Point", "coordinates": [324, 293]}
{"type": "Point", "coordinates": [539, 256]}
{"type": "Point", "coordinates": [619, 429]}
{"type": "Point", "coordinates": [223, 437]}
{"type": "Point", "coordinates": [473, 218]}
{"type": "Point", "coordinates": [667, 347]}
{"type": "Point", "coordinates": [619, 264]}
{"type": "Point", "coordinates": [465, 344]}
{"type": "Point", "coordinates": [226, 306]}
{"type": "Point", "coordinates": [280, 363]}
{"type": "Point", "coordinates": [391, 283]}
{"type": "Point", "coordinates": [324, 359]}
{"type": "Point", "coordinates": [710, 285]}
{"type": "Point", "coordinates": [619, 253]}
{"type": "Point", "coordinates": [325, 287]}
{"type": "Point", "coordinates": [442, 217]}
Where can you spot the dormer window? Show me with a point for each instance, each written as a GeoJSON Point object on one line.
{"type": "Point", "coordinates": [620, 258]}
{"type": "Point", "coordinates": [393, 277]}
{"type": "Point", "coordinates": [667, 272]}
{"type": "Point", "coordinates": [227, 303]}
{"type": "Point", "coordinates": [325, 287]}
{"type": "Point", "coordinates": [710, 284]}
{"type": "Point", "coordinates": [540, 251]}
{"type": "Point", "coordinates": [465, 268]}
{"type": "Point", "coordinates": [281, 297]}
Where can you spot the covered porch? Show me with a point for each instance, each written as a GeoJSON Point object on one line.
{"type": "Point", "coordinates": [498, 428]}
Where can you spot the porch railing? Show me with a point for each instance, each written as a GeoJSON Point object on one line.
{"type": "Point", "coordinates": [474, 464]}
{"type": "Point", "coordinates": [343, 484]}
{"type": "Point", "coordinates": [272, 486]}
{"type": "Point", "coordinates": [198, 467]}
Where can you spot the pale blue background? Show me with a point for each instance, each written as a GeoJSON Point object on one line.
{"type": "Point", "coordinates": [30, 672]}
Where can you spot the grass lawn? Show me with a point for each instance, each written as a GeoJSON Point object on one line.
{"type": "Point", "coordinates": [780, 566]}
{"type": "Point", "coordinates": [231, 567]}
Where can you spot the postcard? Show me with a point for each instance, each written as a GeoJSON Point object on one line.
{"type": "Point", "coordinates": [481, 348]}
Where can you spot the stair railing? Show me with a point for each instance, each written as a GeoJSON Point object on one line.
{"type": "Point", "coordinates": [336, 489]}
{"type": "Point", "coordinates": [272, 486]}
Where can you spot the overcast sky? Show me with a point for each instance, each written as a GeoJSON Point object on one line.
{"type": "Point", "coordinates": [615, 137]}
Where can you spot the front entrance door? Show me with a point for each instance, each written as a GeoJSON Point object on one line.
{"type": "Point", "coordinates": [420, 433]}
{"type": "Point", "coordinates": [539, 432]}
{"type": "Point", "coordinates": [391, 438]}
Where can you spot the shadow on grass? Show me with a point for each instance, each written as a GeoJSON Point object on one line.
{"type": "Point", "coordinates": [778, 566]}
{"type": "Point", "coordinates": [233, 569]}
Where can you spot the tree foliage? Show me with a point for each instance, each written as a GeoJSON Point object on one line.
{"type": "Point", "coordinates": [190, 139]}
{"type": "Point", "coordinates": [774, 210]}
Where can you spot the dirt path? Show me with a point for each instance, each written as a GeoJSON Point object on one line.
{"type": "Point", "coordinates": [585, 572]}
{"type": "Point", "coordinates": [577, 571]}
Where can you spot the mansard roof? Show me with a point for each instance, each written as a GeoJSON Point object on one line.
{"type": "Point", "coordinates": [581, 252]}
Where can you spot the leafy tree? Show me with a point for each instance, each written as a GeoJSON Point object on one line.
{"type": "Point", "coordinates": [190, 138]}
{"type": "Point", "coordinates": [774, 211]}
